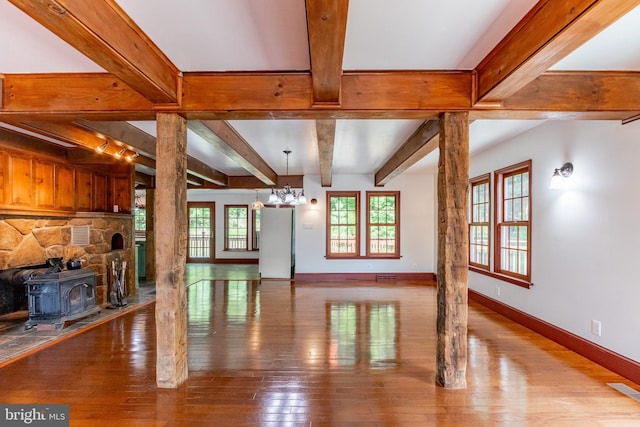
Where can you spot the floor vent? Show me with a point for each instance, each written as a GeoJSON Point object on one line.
{"type": "Point", "coordinates": [625, 389]}
{"type": "Point", "coordinates": [386, 277]}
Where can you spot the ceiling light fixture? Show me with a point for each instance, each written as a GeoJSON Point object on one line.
{"type": "Point", "coordinates": [557, 180]}
{"type": "Point", "coordinates": [120, 153]}
{"type": "Point", "coordinates": [257, 204]}
{"type": "Point", "coordinates": [103, 147]}
{"type": "Point", "coordinates": [129, 157]}
{"type": "Point", "coordinates": [286, 195]}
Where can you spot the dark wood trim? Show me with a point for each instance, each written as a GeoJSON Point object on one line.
{"type": "Point", "coordinates": [611, 360]}
{"type": "Point", "coordinates": [381, 277]}
{"type": "Point", "coordinates": [479, 180]}
{"type": "Point", "coordinates": [498, 190]}
{"type": "Point", "coordinates": [329, 195]}
{"type": "Point", "coordinates": [235, 261]}
{"type": "Point", "coordinates": [396, 195]}
{"type": "Point", "coordinates": [503, 277]}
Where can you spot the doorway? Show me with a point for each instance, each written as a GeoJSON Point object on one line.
{"type": "Point", "coordinates": [201, 243]}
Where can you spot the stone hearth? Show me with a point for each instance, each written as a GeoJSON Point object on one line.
{"type": "Point", "coordinates": [30, 241]}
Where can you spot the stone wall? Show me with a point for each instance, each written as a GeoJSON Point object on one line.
{"type": "Point", "coordinates": [30, 241]}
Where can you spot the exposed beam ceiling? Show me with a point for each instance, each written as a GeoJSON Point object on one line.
{"type": "Point", "coordinates": [327, 27]}
{"type": "Point", "coordinates": [510, 82]}
{"type": "Point", "coordinates": [550, 31]}
{"type": "Point", "coordinates": [103, 32]}
{"type": "Point", "coordinates": [326, 131]}
{"type": "Point", "coordinates": [226, 140]}
{"type": "Point", "coordinates": [423, 141]}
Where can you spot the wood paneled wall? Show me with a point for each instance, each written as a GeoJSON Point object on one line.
{"type": "Point", "coordinates": [35, 182]}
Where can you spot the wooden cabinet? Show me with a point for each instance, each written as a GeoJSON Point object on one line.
{"type": "Point", "coordinates": [30, 181]}
{"type": "Point", "coordinates": [19, 181]}
{"type": "Point", "coordinates": [122, 193]}
{"type": "Point", "coordinates": [100, 192]}
{"type": "Point", "coordinates": [44, 183]}
{"type": "Point", "coordinates": [65, 188]}
{"type": "Point", "coordinates": [84, 190]}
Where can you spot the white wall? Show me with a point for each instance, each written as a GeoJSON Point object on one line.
{"type": "Point", "coordinates": [221, 198]}
{"type": "Point", "coordinates": [586, 238]}
{"type": "Point", "coordinates": [417, 224]}
{"type": "Point", "coordinates": [417, 237]}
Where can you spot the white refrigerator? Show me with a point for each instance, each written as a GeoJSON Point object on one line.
{"type": "Point", "coordinates": [276, 259]}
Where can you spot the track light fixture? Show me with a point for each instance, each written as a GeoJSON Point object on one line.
{"type": "Point", "coordinates": [103, 147]}
{"type": "Point", "coordinates": [120, 153]}
{"type": "Point", "coordinates": [132, 155]}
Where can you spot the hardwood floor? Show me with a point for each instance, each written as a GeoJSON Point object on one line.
{"type": "Point", "coordinates": [275, 354]}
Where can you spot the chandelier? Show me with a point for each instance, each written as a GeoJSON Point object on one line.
{"type": "Point", "coordinates": [286, 195]}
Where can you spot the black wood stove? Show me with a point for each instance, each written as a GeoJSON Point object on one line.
{"type": "Point", "coordinates": [60, 296]}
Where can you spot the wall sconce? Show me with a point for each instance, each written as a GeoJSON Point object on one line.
{"type": "Point", "coordinates": [103, 147]}
{"type": "Point", "coordinates": [557, 180]}
{"type": "Point", "coordinates": [314, 201]}
{"type": "Point", "coordinates": [129, 157]}
{"type": "Point", "coordinates": [120, 153]}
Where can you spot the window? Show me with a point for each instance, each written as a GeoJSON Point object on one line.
{"type": "Point", "coordinates": [255, 221]}
{"type": "Point", "coordinates": [513, 221]}
{"type": "Point", "coordinates": [479, 222]}
{"type": "Point", "coordinates": [343, 225]}
{"type": "Point", "coordinates": [235, 227]}
{"type": "Point", "coordinates": [140, 222]}
{"type": "Point", "coordinates": [383, 224]}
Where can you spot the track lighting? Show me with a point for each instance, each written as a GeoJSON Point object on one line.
{"type": "Point", "coordinates": [103, 147]}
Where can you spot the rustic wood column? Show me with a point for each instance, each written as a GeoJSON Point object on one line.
{"type": "Point", "coordinates": [171, 250]}
{"type": "Point", "coordinates": [453, 250]}
{"type": "Point", "coordinates": [150, 235]}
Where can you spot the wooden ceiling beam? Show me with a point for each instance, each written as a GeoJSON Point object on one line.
{"type": "Point", "coordinates": [385, 95]}
{"type": "Point", "coordinates": [251, 182]}
{"type": "Point", "coordinates": [146, 144]}
{"type": "Point", "coordinates": [202, 170]}
{"type": "Point", "coordinates": [147, 181]}
{"type": "Point", "coordinates": [86, 139]}
{"type": "Point", "coordinates": [326, 131]}
{"type": "Point", "coordinates": [226, 140]}
{"type": "Point", "coordinates": [102, 31]}
{"type": "Point", "coordinates": [327, 28]}
{"type": "Point", "coordinates": [19, 141]}
{"type": "Point", "coordinates": [122, 131]}
{"type": "Point", "coordinates": [422, 142]}
{"type": "Point", "coordinates": [579, 91]}
{"type": "Point", "coordinates": [550, 31]}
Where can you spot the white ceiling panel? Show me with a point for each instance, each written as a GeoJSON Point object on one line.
{"type": "Point", "coordinates": [615, 48]}
{"type": "Point", "coordinates": [271, 137]}
{"type": "Point", "coordinates": [226, 35]}
{"type": "Point", "coordinates": [362, 146]}
{"type": "Point", "coordinates": [426, 34]}
{"type": "Point", "coordinates": [28, 47]}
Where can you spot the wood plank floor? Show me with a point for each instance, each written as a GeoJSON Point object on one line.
{"type": "Point", "coordinates": [273, 354]}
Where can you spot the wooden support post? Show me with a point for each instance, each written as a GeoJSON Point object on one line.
{"type": "Point", "coordinates": [171, 250]}
{"type": "Point", "coordinates": [453, 250]}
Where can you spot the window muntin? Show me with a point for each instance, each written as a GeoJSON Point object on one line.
{"type": "Point", "coordinates": [479, 218]}
{"type": "Point", "coordinates": [513, 227]}
{"type": "Point", "coordinates": [383, 224]}
{"type": "Point", "coordinates": [343, 225]}
{"type": "Point", "coordinates": [236, 231]}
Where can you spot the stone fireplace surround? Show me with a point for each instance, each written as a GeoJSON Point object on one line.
{"type": "Point", "coordinates": [26, 241]}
